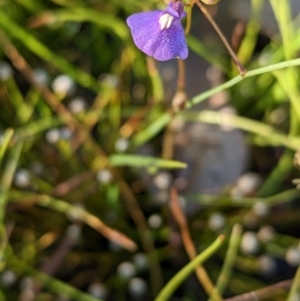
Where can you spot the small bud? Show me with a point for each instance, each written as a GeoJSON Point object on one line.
{"type": "Point", "coordinates": [297, 183]}
{"type": "Point", "coordinates": [8, 278]}
{"type": "Point", "coordinates": [22, 178]}
{"type": "Point", "coordinates": [297, 159]}
{"type": "Point", "coordinates": [278, 116]}
{"type": "Point", "coordinates": [121, 145]}
{"type": "Point", "coordinates": [154, 221]}
{"type": "Point", "coordinates": [267, 265]}
{"type": "Point", "coordinates": [261, 209]}
{"type": "Point", "coordinates": [162, 180]}
{"type": "Point", "coordinates": [53, 135]}
{"type": "Point", "coordinates": [63, 85]}
{"type": "Point", "coordinates": [137, 287]}
{"type": "Point", "coordinates": [140, 260]}
{"type": "Point", "coordinates": [104, 176]}
{"type": "Point", "coordinates": [98, 290]}
{"type": "Point", "coordinates": [65, 133]}
{"type": "Point", "coordinates": [6, 71]}
{"type": "Point", "coordinates": [225, 118]}
{"type": "Point", "coordinates": [292, 256]}
{"type": "Point", "coordinates": [216, 221]}
{"type": "Point", "coordinates": [246, 184]}
{"type": "Point", "coordinates": [41, 76]}
{"type": "Point", "coordinates": [162, 197]}
{"type": "Point", "coordinates": [75, 213]}
{"type": "Point", "coordinates": [249, 243]}
{"type": "Point", "coordinates": [110, 80]}
{"type": "Point", "coordinates": [126, 270]}
{"type": "Point", "coordinates": [77, 105]}
{"type": "Point", "coordinates": [265, 234]}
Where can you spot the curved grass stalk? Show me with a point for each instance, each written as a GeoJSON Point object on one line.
{"type": "Point", "coordinates": [173, 284]}
{"type": "Point", "coordinates": [156, 126]}
{"type": "Point", "coordinates": [202, 96]}
{"type": "Point", "coordinates": [230, 257]}
{"type": "Point", "coordinates": [270, 134]}
{"type": "Point", "coordinates": [81, 214]}
{"type": "Point", "coordinates": [243, 202]}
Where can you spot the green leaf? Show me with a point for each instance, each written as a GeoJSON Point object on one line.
{"type": "Point", "coordinates": [144, 161]}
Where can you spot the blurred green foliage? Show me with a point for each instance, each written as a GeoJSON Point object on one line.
{"type": "Point", "coordinates": [79, 107]}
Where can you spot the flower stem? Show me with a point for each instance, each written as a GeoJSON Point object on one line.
{"type": "Point", "coordinates": [188, 20]}
{"type": "Point", "coordinates": [242, 70]}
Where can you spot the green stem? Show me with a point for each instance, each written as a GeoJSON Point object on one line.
{"type": "Point", "coordinates": [156, 81]}
{"type": "Point", "coordinates": [173, 284]}
{"type": "Point", "coordinates": [271, 185]}
{"type": "Point", "coordinates": [163, 120]}
{"type": "Point", "coordinates": [5, 184]}
{"type": "Point", "coordinates": [295, 289]}
{"type": "Point", "coordinates": [5, 142]}
{"type": "Point", "coordinates": [230, 257]}
{"type": "Point", "coordinates": [286, 78]}
{"type": "Point", "coordinates": [202, 96]}
{"type": "Point", "coordinates": [10, 168]}
{"type": "Point", "coordinates": [155, 127]}
{"type": "Point", "coordinates": [243, 202]}
{"type": "Point", "coordinates": [282, 11]}
{"type": "Point", "coordinates": [188, 20]}
{"type": "Point", "coordinates": [249, 41]}
{"type": "Point", "coordinates": [269, 134]}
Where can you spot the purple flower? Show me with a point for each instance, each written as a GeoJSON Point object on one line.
{"type": "Point", "coordinates": [159, 33]}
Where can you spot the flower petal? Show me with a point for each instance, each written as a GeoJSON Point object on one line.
{"type": "Point", "coordinates": [172, 43]}
{"type": "Point", "coordinates": [163, 44]}
{"type": "Point", "coordinates": [145, 29]}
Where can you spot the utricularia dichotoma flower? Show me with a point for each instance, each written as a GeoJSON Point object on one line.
{"type": "Point", "coordinates": [159, 33]}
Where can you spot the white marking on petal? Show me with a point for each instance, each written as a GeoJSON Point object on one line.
{"type": "Point", "coordinates": [165, 21]}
